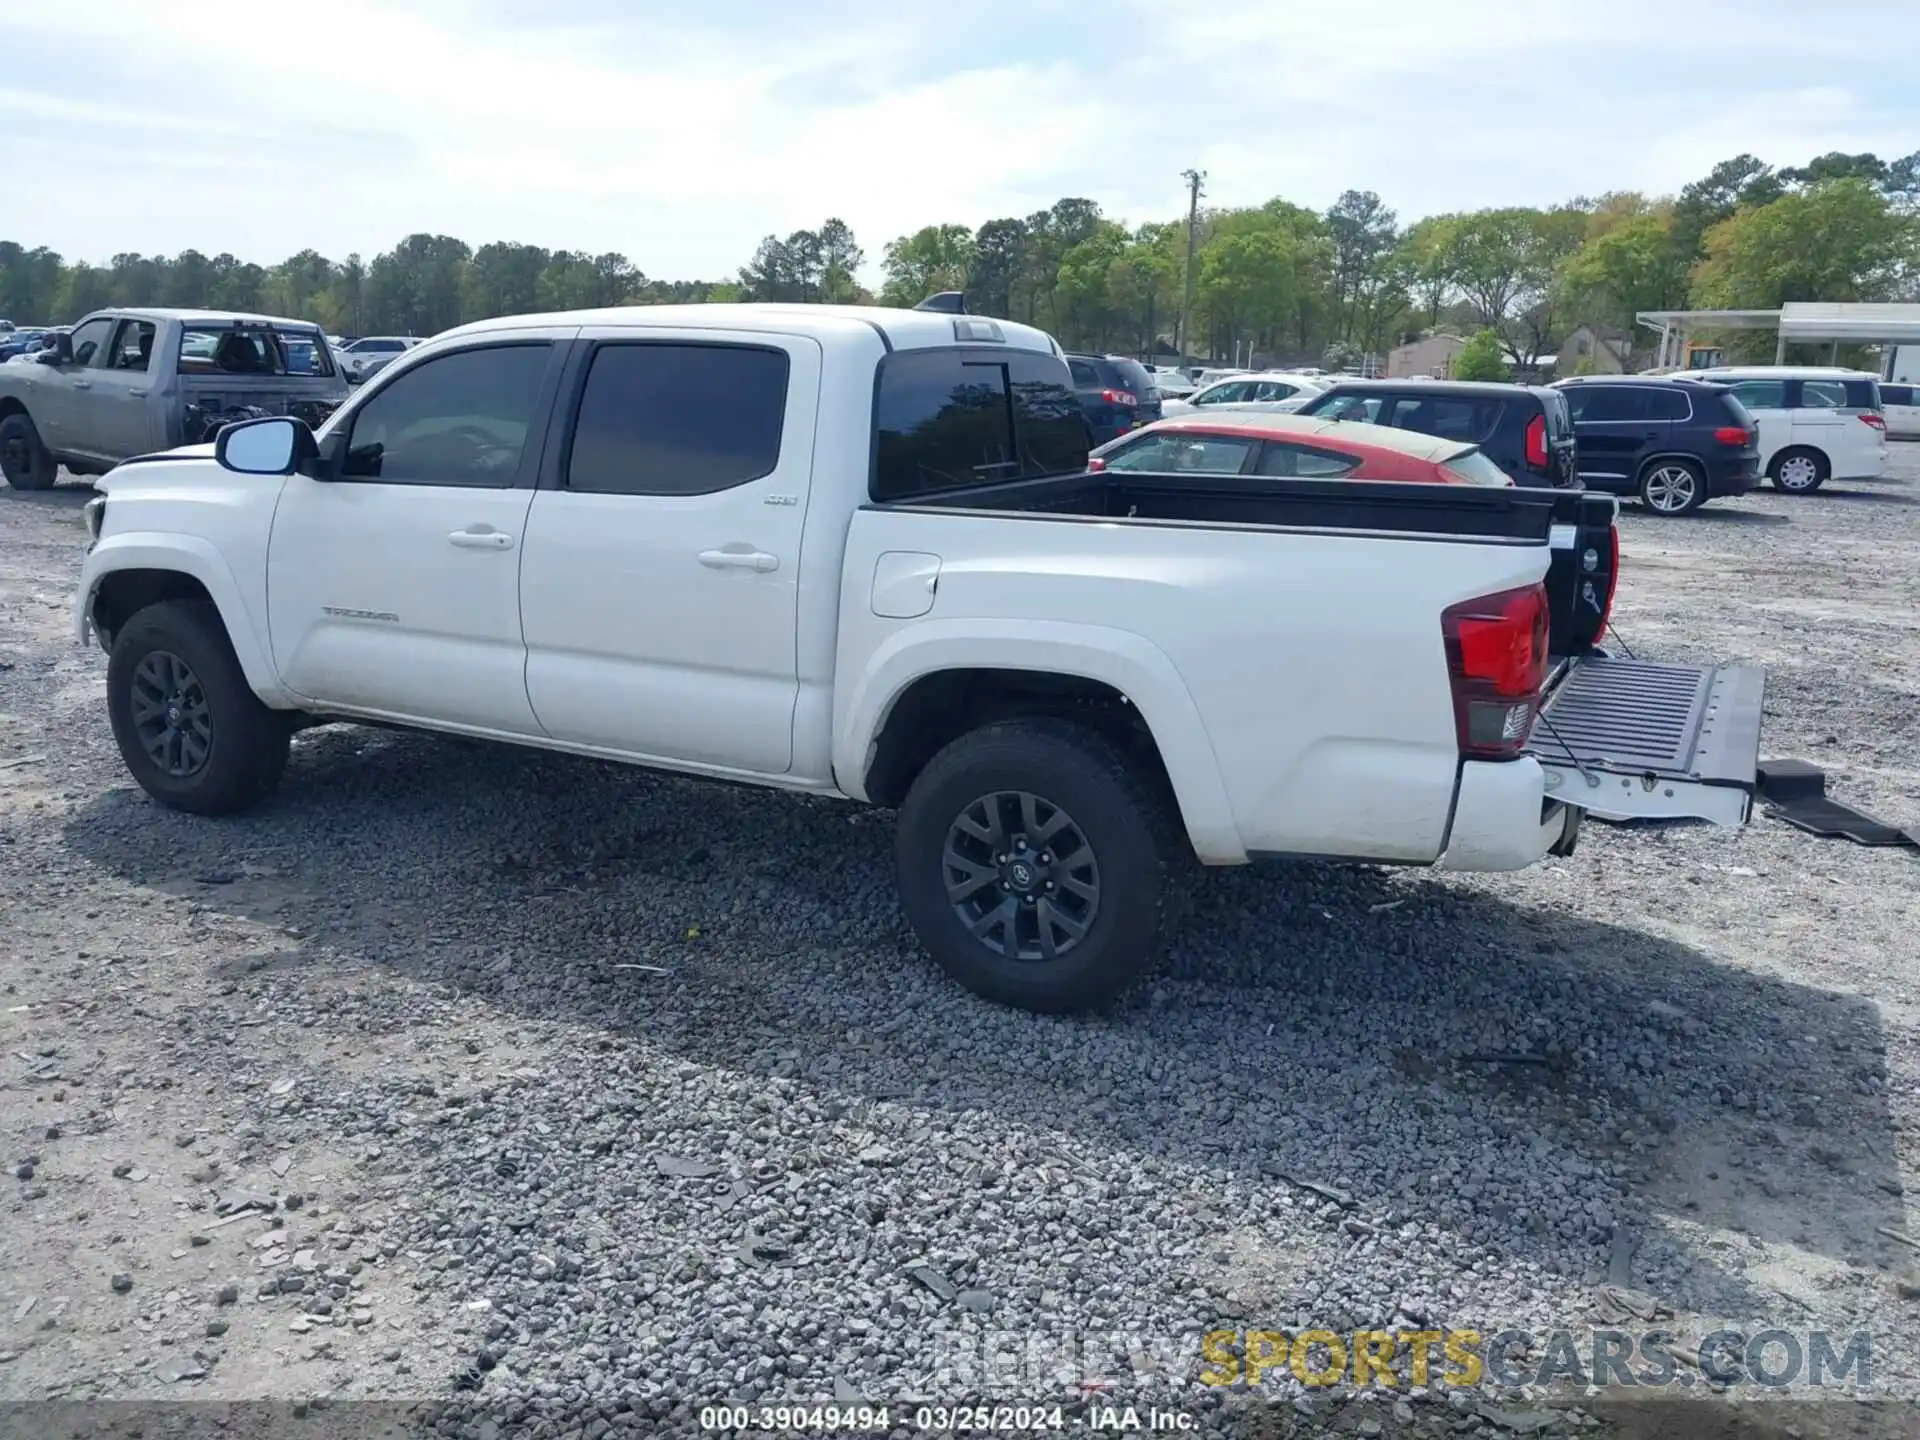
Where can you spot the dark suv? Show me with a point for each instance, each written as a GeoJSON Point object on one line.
{"type": "Point", "coordinates": [1524, 429]}
{"type": "Point", "coordinates": [1676, 443]}
{"type": "Point", "coordinates": [1116, 394]}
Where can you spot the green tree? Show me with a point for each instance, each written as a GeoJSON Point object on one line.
{"type": "Point", "coordinates": [1426, 256]}
{"type": "Point", "coordinates": [1838, 241]}
{"type": "Point", "coordinates": [1479, 359]}
{"type": "Point", "coordinates": [999, 259]}
{"type": "Point", "coordinates": [1631, 265]}
{"type": "Point", "coordinates": [502, 279]}
{"type": "Point", "coordinates": [1363, 233]}
{"type": "Point", "coordinates": [840, 259]}
{"type": "Point", "coordinates": [926, 262]}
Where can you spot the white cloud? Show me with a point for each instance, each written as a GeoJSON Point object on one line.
{"type": "Point", "coordinates": [262, 129]}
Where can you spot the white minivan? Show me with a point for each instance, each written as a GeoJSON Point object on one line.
{"type": "Point", "coordinates": [1816, 423]}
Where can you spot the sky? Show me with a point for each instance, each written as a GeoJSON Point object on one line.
{"type": "Point", "coordinates": [680, 133]}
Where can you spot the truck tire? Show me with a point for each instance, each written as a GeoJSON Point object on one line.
{"type": "Point", "coordinates": [190, 729]}
{"type": "Point", "coordinates": [23, 459]}
{"type": "Point", "coordinates": [1029, 863]}
{"type": "Point", "coordinates": [1799, 470]}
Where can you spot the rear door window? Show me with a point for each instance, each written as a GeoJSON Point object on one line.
{"type": "Point", "coordinates": [1449, 417]}
{"type": "Point", "coordinates": [1669, 404]}
{"type": "Point", "coordinates": [1179, 452]}
{"type": "Point", "coordinates": [945, 419]}
{"type": "Point", "coordinates": [1761, 394]}
{"type": "Point", "coordinates": [1822, 395]}
{"type": "Point", "coordinates": [1896, 394]}
{"type": "Point", "coordinates": [1616, 403]}
{"type": "Point", "coordinates": [1085, 376]}
{"type": "Point", "coordinates": [678, 419]}
{"type": "Point", "coordinates": [1301, 462]}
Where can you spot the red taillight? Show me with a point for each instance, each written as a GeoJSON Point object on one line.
{"type": "Point", "coordinates": [1878, 422]}
{"type": "Point", "coordinates": [1497, 662]}
{"type": "Point", "coordinates": [1537, 442]}
{"type": "Point", "coordinates": [1613, 583]}
{"type": "Point", "coordinates": [1094, 462]}
{"type": "Point", "coordinates": [1733, 435]}
{"type": "Point", "coordinates": [1119, 397]}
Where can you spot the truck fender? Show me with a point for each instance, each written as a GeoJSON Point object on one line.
{"type": "Point", "coordinates": [187, 555]}
{"type": "Point", "coordinates": [1132, 665]}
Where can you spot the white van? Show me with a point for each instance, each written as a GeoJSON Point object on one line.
{"type": "Point", "coordinates": [1816, 422]}
{"type": "Point", "coordinates": [1901, 403]}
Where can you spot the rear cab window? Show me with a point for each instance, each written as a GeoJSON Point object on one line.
{"type": "Point", "coordinates": [1449, 417]}
{"type": "Point", "coordinates": [957, 416]}
{"type": "Point", "coordinates": [252, 350]}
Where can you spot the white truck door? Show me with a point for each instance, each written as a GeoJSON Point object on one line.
{"type": "Point", "coordinates": [393, 590]}
{"type": "Point", "coordinates": [659, 588]}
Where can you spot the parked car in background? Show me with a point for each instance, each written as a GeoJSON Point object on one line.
{"type": "Point", "coordinates": [1298, 447]}
{"type": "Point", "coordinates": [1901, 406]}
{"type": "Point", "coordinates": [1213, 375]}
{"type": "Point", "coordinates": [1279, 393]}
{"type": "Point", "coordinates": [368, 355]}
{"type": "Point", "coordinates": [1171, 383]}
{"type": "Point", "coordinates": [1676, 442]}
{"type": "Point", "coordinates": [1524, 429]}
{"type": "Point", "coordinates": [1116, 394]}
{"type": "Point", "coordinates": [130, 382]}
{"type": "Point", "coordinates": [1816, 423]}
{"type": "Point", "coordinates": [20, 341]}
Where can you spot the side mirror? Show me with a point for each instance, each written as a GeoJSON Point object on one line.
{"type": "Point", "coordinates": [277, 445]}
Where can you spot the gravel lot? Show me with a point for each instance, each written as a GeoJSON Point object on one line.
{"type": "Point", "coordinates": [581, 1094]}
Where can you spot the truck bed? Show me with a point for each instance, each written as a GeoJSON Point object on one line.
{"type": "Point", "coordinates": [1575, 524]}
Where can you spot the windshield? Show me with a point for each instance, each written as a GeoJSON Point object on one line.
{"type": "Point", "coordinates": [253, 350]}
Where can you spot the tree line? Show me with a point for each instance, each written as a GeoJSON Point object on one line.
{"type": "Point", "coordinates": [1278, 280]}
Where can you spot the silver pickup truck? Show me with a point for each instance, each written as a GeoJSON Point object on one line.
{"type": "Point", "coordinates": [123, 383]}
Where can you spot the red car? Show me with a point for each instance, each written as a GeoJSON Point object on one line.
{"type": "Point", "coordinates": [1302, 447]}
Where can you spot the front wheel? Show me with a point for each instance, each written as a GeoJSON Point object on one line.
{"type": "Point", "coordinates": [24, 460]}
{"type": "Point", "coordinates": [1798, 472]}
{"type": "Point", "coordinates": [1029, 865]}
{"type": "Point", "coordinates": [189, 728]}
{"type": "Point", "coordinates": [1673, 487]}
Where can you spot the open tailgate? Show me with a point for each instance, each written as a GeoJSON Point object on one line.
{"type": "Point", "coordinates": [1632, 740]}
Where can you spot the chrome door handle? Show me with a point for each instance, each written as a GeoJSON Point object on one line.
{"type": "Point", "coordinates": [138, 394]}
{"type": "Point", "coordinates": [83, 384]}
{"type": "Point", "coordinates": [758, 560]}
{"type": "Point", "coordinates": [481, 539]}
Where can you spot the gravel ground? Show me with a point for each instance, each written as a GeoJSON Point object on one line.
{"type": "Point", "coordinates": [581, 1097]}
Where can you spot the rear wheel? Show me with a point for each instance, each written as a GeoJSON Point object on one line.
{"type": "Point", "coordinates": [189, 728]}
{"type": "Point", "coordinates": [1798, 471]}
{"type": "Point", "coordinates": [23, 459]}
{"type": "Point", "coordinates": [1673, 487]}
{"type": "Point", "coordinates": [1028, 863]}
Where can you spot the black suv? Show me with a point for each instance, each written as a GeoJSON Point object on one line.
{"type": "Point", "coordinates": [1674, 442]}
{"type": "Point", "coordinates": [1524, 429]}
{"type": "Point", "coordinates": [1116, 394]}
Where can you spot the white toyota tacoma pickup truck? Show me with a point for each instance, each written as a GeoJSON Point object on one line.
{"type": "Point", "coordinates": [856, 552]}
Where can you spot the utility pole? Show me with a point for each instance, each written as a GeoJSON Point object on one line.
{"type": "Point", "coordinates": [1195, 179]}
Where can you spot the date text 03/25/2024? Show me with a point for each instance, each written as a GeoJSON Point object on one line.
{"type": "Point", "coordinates": [945, 1419]}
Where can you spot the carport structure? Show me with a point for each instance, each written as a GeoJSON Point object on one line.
{"type": "Point", "coordinates": [1799, 323]}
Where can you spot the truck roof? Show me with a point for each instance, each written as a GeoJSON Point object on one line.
{"type": "Point", "coordinates": [204, 317]}
{"type": "Point", "coordinates": [899, 329]}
